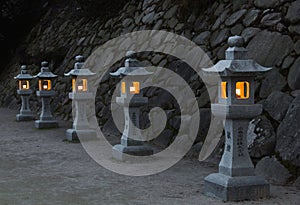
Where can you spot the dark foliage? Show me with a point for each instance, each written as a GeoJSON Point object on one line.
{"type": "Point", "coordinates": [195, 6]}
{"type": "Point", "coordinates": [16, 19]}
{"type": "Point", "coordinates": [101, 8]}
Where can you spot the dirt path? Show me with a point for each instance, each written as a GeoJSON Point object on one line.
{"type": "Point", "coordinates": [38, 168]}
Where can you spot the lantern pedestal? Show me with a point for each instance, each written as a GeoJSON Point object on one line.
{"type": "Point", "coordinates": [73, 134]}
{"type": "Point", "coordinates": [236, 188]}
{"type": "Point", "coordinates": [25, 112]}
{"type": "Point", "coordinates": [46, 119]}
{"type": "Point", "coordinates": [129, 146]}
{"type": "Point", "coordinates": [235, 180]}
{"type": "Point", "coordinates": [121, 152]}
{"type": "Point", "coordinates": [80, 125]}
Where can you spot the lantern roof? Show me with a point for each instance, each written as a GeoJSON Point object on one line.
{"type": "Point", "coordinates": [237, 61]}
{"type": "Point", "coordinates": [78, 69]}
{"type": "Point", "coordinates": [132, 67]}
{"type": "Point", "coordinates": [45, 71]}
{"type": "Point", "coordinates": [24, 75]}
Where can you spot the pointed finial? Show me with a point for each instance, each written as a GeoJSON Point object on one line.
{"type": "Point", "coordinates": [130, 54]}
{"type": "Point", "coordinates": [44, 64]}
{"type": "Point", "coordinates": [79, 58]}
{"type": "Point", "coordinates": [236, 41]}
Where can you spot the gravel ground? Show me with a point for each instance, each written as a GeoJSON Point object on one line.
{"type": "Point", "coordinates": [38, 168]}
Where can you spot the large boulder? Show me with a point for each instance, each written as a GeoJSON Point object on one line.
{"type": "Point", "coordinates": [266, 4]}
{"type": "Point", "coordinates": [270, 48]}
{"type": "Point", "coordinates": [273, 171]}
{"type": "Point", "coordinates": [231, 20]}
{"type": "Point", "coordinates": [277, 104]}
{"type": "Point", "coordinates": [293, 12]}
{"type": "Point", "coordinates": [271, 19]}
{"type": "Point", "coordinates": [294, 75]}
{"type": "Point", "coordinates": [261, 138]}
{"type": "Point", "coordinates": [288, 135]}
{"type": "Point", "coordinates": [273, 81]}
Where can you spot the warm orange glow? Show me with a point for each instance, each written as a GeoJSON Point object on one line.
{"type": "Point", "coordinates": [79, 85]}
{"type": "Point", "coordinates": [242, 90]}
{"type": "Point", "coordinates": [135, 88]}
{"type": "Point", "coordinates": [73, 84]}
{"type": "Point", "coordinates": [23, 85]}
{"type": "Point", "coordinates": [123, 89]}
{"type": "Point", "coordinates": [44, 84]}
{"type": "Point", "coordinates": [224, 90]}
{"type": "Point", "coordinates": [82, 85]}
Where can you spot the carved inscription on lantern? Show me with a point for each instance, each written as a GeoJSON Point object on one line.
{"type": "Point", "coordinates": [228, 134]}
{"type": "Point", "coordinates": [240, 145]}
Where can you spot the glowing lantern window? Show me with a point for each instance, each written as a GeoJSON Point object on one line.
{"type": "Point", "coordinates": [45, 85]}
{"type": "Point", "coordinates": [74, 85]}
{"type": "Point", "coordinates": [135, 88]}
{"type": "Point", "coordinates": [123, 89]}
{"type": "Point", "coordinates": [79, 85]}
{"type": "Point", "coordinates": [224, 90]}
{"type": "Point", "coordinates": [242, 90]}
{"type": "Point", "coordinates": [24, 85]}
{"type": "Point", "coordinates": [82, 85]}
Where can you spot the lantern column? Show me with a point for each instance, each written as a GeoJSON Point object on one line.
{"type": "Point", "coordinates": [81, 96]}
{"type": "Point", "coordinates": [45, 78]}
{"type": "Point", "coordinates": [24, 91]}
{"type": "Point", "coordinates": [236, 180]}
{"type": "Point", "coordinates": [132, 100]}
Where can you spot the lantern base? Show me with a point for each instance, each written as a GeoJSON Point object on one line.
{"type": "Point", "coordinates": [122, 153]}
{"type": "Point", "coordinates": [72, 134]}
{"type": "Point", "coordinates": [28, 117]}
{"type": "Point", "coordinates": [228, 188]}
{"type": "Point", "coordinates": [42, 124]}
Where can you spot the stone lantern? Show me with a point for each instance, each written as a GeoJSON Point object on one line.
{"type": "Point", "coordinates": [132, 100]}
{"type": "Point", "coordinates": [45, 81]}
{"type": "Point", "coordinates": [236, 179]}
{"type": "Point", "coordinates": [24, 91]}
{"type": "Point", "coordinates": [80, 95]}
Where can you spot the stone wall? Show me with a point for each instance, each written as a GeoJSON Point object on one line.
{"type": "Point", "coordinates": [271, 29]}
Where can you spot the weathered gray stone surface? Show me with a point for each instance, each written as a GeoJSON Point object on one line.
{"type": "Point", "coordinates": [202, 38]}
{"type": "Point", "coordinates": [249, 33]}
{"type": "Point", "coordinates": [277, 104]}
{"type": "Point", "coordinates": [261, 138]}
{"type": "Point", "coordinates": [297, 47]}
{"type": "Point", "coordinates": [266, 4]}
{"type": "Point", "coordinates": [273, 81]}
{"type": "Point", "coordinates": [148, 19]}
{"type": "Point", "coordinates": [275, 47]}
{"type": "Point", "coordinates": [293, 12]}
{"type": "Point", "coordinates": [273, 171]}
{"type": "Point", "coordinates": [235, 17]}
{"type": "Point", "coordinates": [294, 29]}
{"type": "Point", "coordinates": [294, 75]}
{"type": "Point", "coordinates": [219, 36]}
{"type": "Point", "coordinates": [288, 61]}
{"type": "Point", "coordinates": [237, 29]}
{"type": "Point", "coordinates": [170, 13]}
{"type": "Point", "coordinates": [271, 19]}
{"type": "Point", "coordinates": [288, 134]}
{"type": "Point", "coordinates": [251, 17]}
